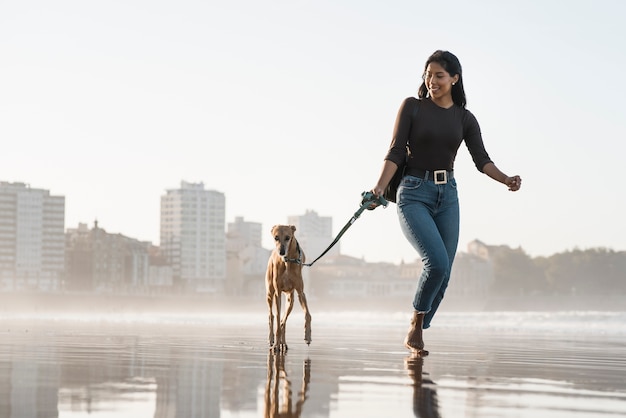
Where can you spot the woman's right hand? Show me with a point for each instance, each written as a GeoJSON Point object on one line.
{"type": "Point", "coordinates": [514, 183]}
{"type": "Point", "coordinates": [376, 191]}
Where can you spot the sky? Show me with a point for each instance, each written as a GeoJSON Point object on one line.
{"type": "Point", "coordinates": [289, 106]}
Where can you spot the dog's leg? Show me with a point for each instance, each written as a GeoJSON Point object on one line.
{"type": "Point", "coordinates": [270, 302]}
{"type": "Point", "coordinates": [279, 338]}
{"type": "Point", "coordinates": [307, 316]}
{"type": "Point", "coordinates": [283, 322]}
{"type": "Point", "coordinates": [270, 290]}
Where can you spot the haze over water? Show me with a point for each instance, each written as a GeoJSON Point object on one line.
{"type": "Point", "coordinates": [110, 104]}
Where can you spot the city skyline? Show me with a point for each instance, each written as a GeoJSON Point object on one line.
{"type": "Point", "coordinates": [290, 107]}
{"type": "Point", "coordinates": [242, 219]}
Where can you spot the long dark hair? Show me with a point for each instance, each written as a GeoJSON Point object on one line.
{"type": "Point", "coordinates": [451, 64]}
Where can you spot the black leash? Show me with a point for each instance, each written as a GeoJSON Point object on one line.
{"type": "Point", "coordinates": [366, 203]}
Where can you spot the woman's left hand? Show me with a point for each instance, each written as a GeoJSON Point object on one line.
{"type": "Point", "coordinates": [514, 183]}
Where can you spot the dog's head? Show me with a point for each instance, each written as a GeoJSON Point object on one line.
{"type": "Point", "coordinates": [283, 237]}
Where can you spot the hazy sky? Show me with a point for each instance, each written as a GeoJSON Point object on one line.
{"type": "Point", "coordinates": [289, 105]}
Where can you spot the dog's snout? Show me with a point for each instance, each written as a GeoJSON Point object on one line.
{"type": "Point", "coordinates": [282, 251]}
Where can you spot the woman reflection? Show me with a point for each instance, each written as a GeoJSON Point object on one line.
{"type": "Point", "coordinates": [425, 403]}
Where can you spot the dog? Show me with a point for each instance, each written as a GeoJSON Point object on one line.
{"type": "Point", "coordinates": [284, 275]}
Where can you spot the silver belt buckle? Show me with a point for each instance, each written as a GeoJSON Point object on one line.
{"type": "Point", "coordinates": [444, 176]}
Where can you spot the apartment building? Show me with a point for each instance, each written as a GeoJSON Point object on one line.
{"type": "Point", "coordinates": [242, 234]}
{"type": "Point", "coordinates": [32, 239]}
{"type": "Point", "coordinates": [193, 237]}
{"type": "Point", "coordinates": [247, 259]}
{"type": "Point", "coordinates": [113, 263]}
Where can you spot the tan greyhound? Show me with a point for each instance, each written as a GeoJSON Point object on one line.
{"type": "Point", "coordinates": [284, 275]}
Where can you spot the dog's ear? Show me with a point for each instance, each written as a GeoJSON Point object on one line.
{"type": "Point", "coordinates": [293, 228]}
{"type": "Point", "coordinates": [274, 227]}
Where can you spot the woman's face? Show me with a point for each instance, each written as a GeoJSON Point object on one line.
{"type": "Point", "coordinates": [438, 81]}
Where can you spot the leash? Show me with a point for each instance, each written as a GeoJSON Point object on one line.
{"type": "Point", "coordinates": [366, 203]}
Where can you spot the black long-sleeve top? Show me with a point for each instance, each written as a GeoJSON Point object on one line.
{"type": "Point", "coordinates": [434, 136]}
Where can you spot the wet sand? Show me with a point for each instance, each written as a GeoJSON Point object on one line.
{"type": "Point", "coordinates": [218, 365]}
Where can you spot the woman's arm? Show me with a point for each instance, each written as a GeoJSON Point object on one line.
{"type": "Point", "coordinates": [389, 169]}
{"type": "Point", "coordinates": [398, 148]}
{"type": "Point", "coordinates": [514, 183]}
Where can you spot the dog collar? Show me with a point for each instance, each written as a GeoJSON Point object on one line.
{"type": "Point", "coordinates": [295, 260]}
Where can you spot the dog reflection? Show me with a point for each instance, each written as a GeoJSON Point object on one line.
{"type": "Point", "coordinates": [424, 397]}
{"type": "Point", "coordinates": [278, 399]}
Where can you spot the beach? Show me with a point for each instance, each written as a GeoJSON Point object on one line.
{"type": "Point", "coordinates": [217, 364]}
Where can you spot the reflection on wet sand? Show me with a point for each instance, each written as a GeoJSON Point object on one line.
{"type": "Point", "coordinates": [278, 389]}
{"type": "Point", "coordinates": [220, 367]}
{"type": "Point", "coordinates": [424, 392]}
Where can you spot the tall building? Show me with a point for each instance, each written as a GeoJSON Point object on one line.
{"type": "Point", "coordinates": [193, 237]}
{"type": "Point", "coordinates": [32, 238]}
{"type": "Point", "coordinates": [246, 258]}
{"type": "Point", "coordinates": [314, 233]}
{"type": "Point", "coordinates": [242, 234]}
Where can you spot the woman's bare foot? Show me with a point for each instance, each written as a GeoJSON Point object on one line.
{"type": "Point", "coordinates": [414, 340]}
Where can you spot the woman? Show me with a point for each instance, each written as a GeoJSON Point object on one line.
{"type": "Point", "coordinates": [431, 129]}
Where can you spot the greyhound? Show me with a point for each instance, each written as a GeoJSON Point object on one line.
{"type": "Point", "coordinates": [284, 275]}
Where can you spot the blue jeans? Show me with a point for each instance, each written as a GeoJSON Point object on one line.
{"type": "Point", "coordinates": [429, 218]}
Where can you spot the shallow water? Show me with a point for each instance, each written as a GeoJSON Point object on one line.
{"type": "Point", "coordinates": [560, 364]}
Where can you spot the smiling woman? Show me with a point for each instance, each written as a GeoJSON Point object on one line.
{"type": "Point", "coordinates": [428, 204]}
{"type": "Point", "coordinates": [439, 83]}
